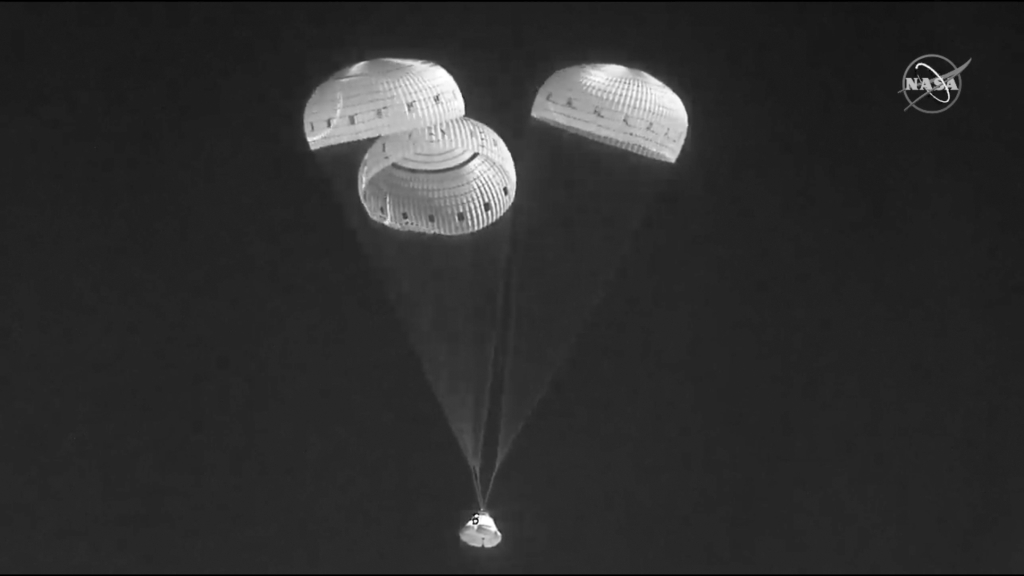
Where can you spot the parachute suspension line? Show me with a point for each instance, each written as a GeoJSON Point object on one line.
{"type": "Point", "coordinates": [510, 329]}
{"type": "Point", "coordinates": [497, 458]}
{"type": "Point", "coordinates": [490, 484]}
{"type": "Point", "coordinates": [508, 351]}
{"type": "Point", "coordinates": [480, 500]}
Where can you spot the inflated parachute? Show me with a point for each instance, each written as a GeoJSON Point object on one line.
{"type": "Point", "coordinates": [601, 144]}
{"type": "Point", "coordinates": [378, 98]}
{"type": "Point", "coordinates": [615, 105]}
{"type": "Point", "coordinates": [427, 198]}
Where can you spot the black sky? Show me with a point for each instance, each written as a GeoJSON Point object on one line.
{"type": "Point", "coordinates": [809, 359]}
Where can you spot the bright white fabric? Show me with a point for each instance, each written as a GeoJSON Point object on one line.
{"type": "Point", "coordinates": [380, 97]}
{"type": "Point", "coordinates": [619, 106]}
{"type": "Point", "coordinates": [454, 178]}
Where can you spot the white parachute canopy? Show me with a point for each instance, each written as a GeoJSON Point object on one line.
{"type": "Point", "coordinates": [481, 531]}
{"type": "Point", "coordinates": [453, 178]}
{"type": "Point", "coordinates": [616, 105]}
{"type": "Point", "coordinates": [380, 97]}
{"type": "Point", "coordinates": [602, 144]}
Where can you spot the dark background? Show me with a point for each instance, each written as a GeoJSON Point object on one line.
{"type": "Point", "coordinates": [809, 360]}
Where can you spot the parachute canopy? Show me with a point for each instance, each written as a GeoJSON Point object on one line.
{"type": "Point", "coordinates": [602, 144]}
{"type": "Point", "coordinates": [380, 97]}
{"type": "Point", "coordinates": [481, 531]}
{"type": "Point", "coordinates": [616, 105]}
{"type": "Point", "coordinates": [453, 178]}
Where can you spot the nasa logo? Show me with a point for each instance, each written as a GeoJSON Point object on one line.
{"type": "Point", "coordinates": [922, 79]}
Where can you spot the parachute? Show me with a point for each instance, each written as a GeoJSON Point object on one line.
{"type": "Point", "coordinates": [600, 146]}
{"type": "Point", "coordinates": [428, 200]}
{"type": "Point", "coordinates": [380, 97]}
{"type": "Point", "coordinates": [484, 290]}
